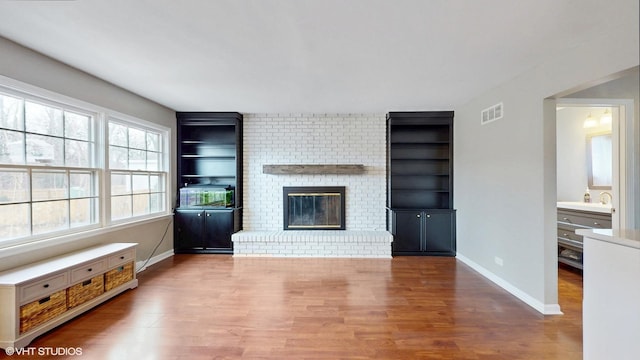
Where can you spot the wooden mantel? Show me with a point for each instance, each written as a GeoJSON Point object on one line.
{"type": "Point", "coordinates": [308, 169]}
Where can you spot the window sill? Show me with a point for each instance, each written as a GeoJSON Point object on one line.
{"type": "Point", "coordinates": [42, 244]}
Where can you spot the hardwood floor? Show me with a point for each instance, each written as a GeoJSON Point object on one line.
{"type": "Point", "coordinates": [216, 307]}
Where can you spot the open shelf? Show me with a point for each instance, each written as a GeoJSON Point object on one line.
{"type": "Point", "coordinates": [420, 183]}
{"type": "Point", "coordinates": [209, 159]}
{"type": "Point", "coordinates": [210, 150]}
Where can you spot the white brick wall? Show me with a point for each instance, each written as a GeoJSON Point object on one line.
{"type": "Point", "coordinates": [315, 243]}
{"type": "Point", "coordinates": [314, 139]}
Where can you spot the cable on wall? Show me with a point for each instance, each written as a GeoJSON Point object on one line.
{"type": "Point", "coordinates": [155, 248]}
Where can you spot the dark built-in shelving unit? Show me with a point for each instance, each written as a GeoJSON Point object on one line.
{"type": "Point", "coordinates": [420, 182]}
{"type": "Point", "coordinates": [209, 158]}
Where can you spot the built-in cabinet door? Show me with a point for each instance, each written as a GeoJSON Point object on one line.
{"type": "Point", "coordinates": [424, 232]}
{"type": "Point", "coordinates": [218, 229]}
{"type": "Point", "coordinates": [407, 231]}
{"type": "Point", "coordinates": [188, 229]}
{"type": "Point", "coordinates": [438, 232]}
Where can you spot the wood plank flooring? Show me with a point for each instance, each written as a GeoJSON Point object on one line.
{"type": "Point", "coordinates": [218, 307]}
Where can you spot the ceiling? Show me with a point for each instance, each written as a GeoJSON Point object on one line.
{"type": "Point", "coordinates": [303, 55]}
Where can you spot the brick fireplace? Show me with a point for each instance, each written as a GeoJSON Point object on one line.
{"type": "Point", "coordinates": [314, 139]}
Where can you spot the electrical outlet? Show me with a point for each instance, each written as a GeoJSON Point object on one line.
{"type": "Point", "coordinates": [498, 260]}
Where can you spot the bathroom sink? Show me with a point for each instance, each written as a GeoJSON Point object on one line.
{"type": "Point", "coordinates": [578, 205]}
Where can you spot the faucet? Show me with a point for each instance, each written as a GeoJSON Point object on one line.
{"type": "Point", "coordinates": [603, 197]}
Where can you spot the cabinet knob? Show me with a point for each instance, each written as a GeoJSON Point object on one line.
{"type": "Point", "coordinates": [121, 257]}
{"type": "Point", "coordinates": [208, 214]}
{"type": "Point", "coordinates": [428, 215]}
{"type": "Point", "coordinates": [89, 269]}
{"type": "Point", "coordinates": [199, 214]}
{"type": "Point", "coordinates": [418, 215]}
{"type": "Point", "coordinates": [596, 223]}
{"type": "Point", "coordinates": [565, 234]}
{"type": "Point", "coordinates": [565, 219]}
{"type": "Point", "coordinates": [45, 286]}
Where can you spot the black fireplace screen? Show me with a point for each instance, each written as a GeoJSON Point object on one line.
{"type": "Point", "coordinates": [314, 208]}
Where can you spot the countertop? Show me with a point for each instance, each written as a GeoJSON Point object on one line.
{"type": "Point", "coordinates": [583, 206]}
{"type": "Point", "coordinates": [625, 237]}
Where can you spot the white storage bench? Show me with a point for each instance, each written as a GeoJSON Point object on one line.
{"type": "Point", "coordinates": [37, 297]}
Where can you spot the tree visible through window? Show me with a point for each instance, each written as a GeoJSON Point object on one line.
{"type": "Point", "coordinates": [53, 162]}
{"type": "Point", "coordinates": [47, 175]}
{"type": "Point", "coordinates": [135, 164]}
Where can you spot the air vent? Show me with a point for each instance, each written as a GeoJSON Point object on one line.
{"type": "Point", "coordinates": [492, 113]}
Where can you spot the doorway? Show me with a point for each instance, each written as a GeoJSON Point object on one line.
{"type": "Point", "coordinates": [588, 156]}
{"type": "Point", "coordinates": [588, 188]}
{"type": "Point", "coordinates": [619, 92]}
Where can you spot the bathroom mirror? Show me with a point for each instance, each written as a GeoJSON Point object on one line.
{"type": "Point", "coordinates": [599, 161]}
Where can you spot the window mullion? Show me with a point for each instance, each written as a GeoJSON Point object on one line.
{"type": "Point", "coordinates": [68, 198]}
{"type": "Point", "coordinates": [30, 172]}
{"type": "Point", "coordinates": [105, 173]}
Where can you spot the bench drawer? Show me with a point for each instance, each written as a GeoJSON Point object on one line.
{"type": "Point", "coordinates": [87, 271]}
{"type": "Point", "coordinates": [122, 258]}
{"type": "Point", "coordinates": [44, 287]}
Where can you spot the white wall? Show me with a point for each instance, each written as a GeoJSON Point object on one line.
{"type": "Point", "coordinates": [22, 64]}
{"type": "Point", "coordinates": [314, 139]}
{"type": "Point", "coordinates": [505, 178]}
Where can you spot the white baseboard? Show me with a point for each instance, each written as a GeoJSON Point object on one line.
{"type": "Point", "coordinates": [153, 260]}
{"type": "Point", "coordinates": [545, 309]}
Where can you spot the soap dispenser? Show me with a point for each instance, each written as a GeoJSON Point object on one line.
{"type": "Point", "coordinates": [587, 196]}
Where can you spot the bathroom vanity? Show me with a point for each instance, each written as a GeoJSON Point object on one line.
{"type": "Point", "coordinates": [573, 216]}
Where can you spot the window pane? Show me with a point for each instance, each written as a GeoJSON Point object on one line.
{"type": "Point", "coordinates": [118, 157]}
{"type": "Point", "coordinates": [155, 183]}
{"type": "Point", "coordinates": [140, 183]}
{"type": "Point", "coordinates": [120, 207]}
{"type": "Point", "coordinates": [44, 150]}
{"type": "Point", "coordinates": [137, 160]}
{"type": "Point", "coordinates": [76, 126]}
{"type": "Point", "coordinates": [49, 185]}
{"type": "Point", "coordinates": [120, 184]}
{"type": "Point", "coordinates": [153, 161]}
{"type": "Point", "coordinates": [14, 186]}
{"type": "Point", "coordinates": [156, 202]}
{"type": "Point", "coordinates": [153, 142]}
{"type": "Point", "coordinates": [11, 113]}
{"type": "Point", "coordinates": [137, 139]}
{"type": "Point", "coordinates": [82, 212]}
{"type": "Point", "coordinates": [43, 119]}
{"type": "Point", "coordinates": [117, 134]}
{"type": "Point", "coordinates": [77, 153]}
{"type": "Point", "coordinates": [14, 221]}
{"type": "Point", "coordinates": [50, 216]}
{"type": "Point", "coordinates": [140, 204]}
{"type": "Point", "coordinates": [11, 147]}
{"type": "Point", "coordinates": [81, 185]}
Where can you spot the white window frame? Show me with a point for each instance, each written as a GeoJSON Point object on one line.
{"type": "Point", "coordinates": [100, 166]}
{"type": "Point", "coordinates": [163, 165]}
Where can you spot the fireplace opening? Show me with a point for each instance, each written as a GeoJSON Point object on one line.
{"type": "Point", "coordinates": [314, 208]}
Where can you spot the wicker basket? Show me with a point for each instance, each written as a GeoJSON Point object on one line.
{"type": "Point", "coordinates": [40, 311]}
{"type": "Point", "coordinates": [118, 276]}
{"type": "Point", "coordinates": [85, 291]}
